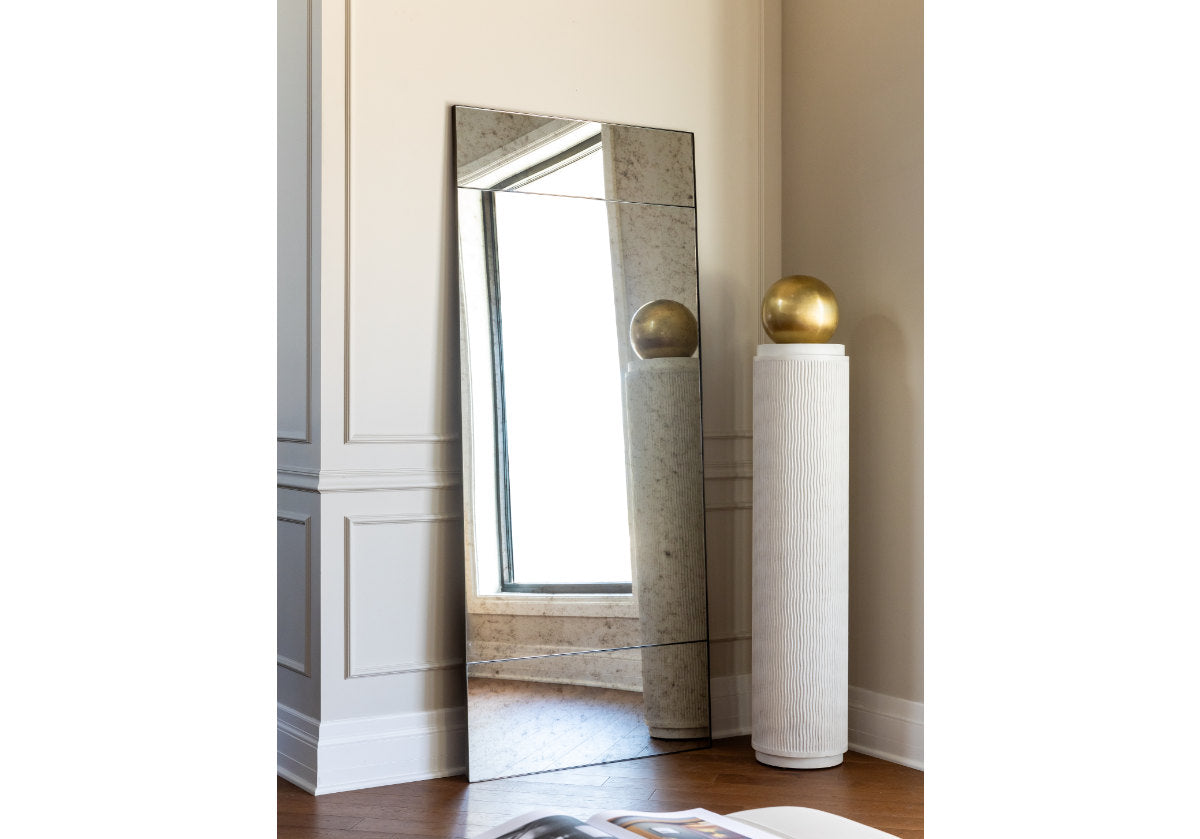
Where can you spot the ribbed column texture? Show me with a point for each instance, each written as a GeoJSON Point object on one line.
{"type": "Point", "coordinates": [801, 557]}
{"type": "Point", "coordinates": [675, 690]}
{"type": "Point", "coordinates": [666, 479]}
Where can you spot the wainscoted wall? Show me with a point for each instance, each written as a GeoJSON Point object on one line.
{"type": "Point", "coordinates": [294, 614]}
{"type": "Point", "coordinates": [369, 472]}
{"type": "Point", "coordinates": [295, 221]}
{"type": "Point", "coordinates": [298, 606]}
{"type": "Point", "coordinates": [387, 563]}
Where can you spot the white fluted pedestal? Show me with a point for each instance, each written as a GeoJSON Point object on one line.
{"type": "Point", "coordinates": [801, 555]}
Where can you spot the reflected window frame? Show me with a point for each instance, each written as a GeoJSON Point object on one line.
{"type": "Point", "coordinates": [508, 581]}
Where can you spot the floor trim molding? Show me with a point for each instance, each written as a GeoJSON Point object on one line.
{"type": "Point", "coordinates": [887, 727]}
{"type": "Point", "coordinates": [364, 752]}
{"type": "Point", "coordinates": [882, 726]}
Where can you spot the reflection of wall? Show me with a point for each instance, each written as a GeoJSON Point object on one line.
{"type": "Point", "coordinates": [384, 339]}
{"type": "Point", "coordinates": [646, 165]}
{"type": "Point", "coordinates": [511, 636]}
{"type": "Point", "coordinates": [852, 137]}
{"type": "Point", "coordinates": [616, 669]}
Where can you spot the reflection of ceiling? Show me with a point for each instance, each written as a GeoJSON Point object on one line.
{"type": "Point", "coordinates": [494, 145]}
{"type": "Point", "coordinates": [497, 150]}
{"type": "Point", "coordinates": [481, 132]}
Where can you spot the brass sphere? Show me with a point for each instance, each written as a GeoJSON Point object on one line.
{"type": "Point", "coordinates": [799, 310]}
{"type": "Point", "coordinates": [664, 329]}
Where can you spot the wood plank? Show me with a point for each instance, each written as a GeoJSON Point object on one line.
{"type": "Point", "coordinates": [331, 833]}
{"type": "Point", "coordinates": [309, 820]}
{"type": "Point", "coordinates": [725, 778]}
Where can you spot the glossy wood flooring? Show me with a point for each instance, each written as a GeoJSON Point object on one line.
{"type": "Point", "coordinates": [724, 779]}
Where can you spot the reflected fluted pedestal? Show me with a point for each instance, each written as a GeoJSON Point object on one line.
{"type": "Point", "coordinates": [666, 467]}
{"type": "Point", "coordinates": [801, 555]}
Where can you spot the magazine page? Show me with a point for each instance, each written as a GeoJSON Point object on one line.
{"type": "Point", "coordinates": [685, 824]}
{"type": "Point", "coordinates": [547, 824]}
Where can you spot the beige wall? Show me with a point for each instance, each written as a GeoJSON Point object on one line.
{"type": "Point", "coordinates": [385, 498]}
{"type": "Point", "coordinates": [378, 489]}
{"type": "Point", "coordinates": [852, 215]}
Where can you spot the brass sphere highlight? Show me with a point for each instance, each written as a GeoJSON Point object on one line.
{"type": "Point", "coordinates": [664, 329]}
{"type": "Point", "coordinates": [799, 310]}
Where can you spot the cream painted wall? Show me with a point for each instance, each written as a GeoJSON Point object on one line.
{"type": "Point", "coordinates": [833, 123]}
{"type": "Point", "coordinates": [852, 215]}
{"type": "Point", "coordinates": [386, 490]}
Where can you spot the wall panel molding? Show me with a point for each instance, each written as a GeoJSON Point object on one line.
{"type": "Point", "coordinates": [728, 484]}
{"type": "Point", "coordinates": [304, 668]}
{"type": "Point", "coordinates": [366, 480]}
{"type": "Point", "coordinates": [736, 636]}
{"type": "Point", "coordinates": [306, 436]}
{"type": "Point", "coordinates": [353, 435]}
{"type": "Point", "coordinates": [736, 470]}
{"type": "Point", "coordinates": [349, 435]}
{"type": "Point", "coordinates": [359, 669]}
{"type": "Point", "coordinates": [412, 667]}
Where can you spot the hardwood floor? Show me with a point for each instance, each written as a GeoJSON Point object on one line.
{"type": "Point", "coordinates": [724, 779]}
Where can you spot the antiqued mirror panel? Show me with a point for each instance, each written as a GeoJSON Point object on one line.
{"type": "Point", "coordinates": [582, 439]}
{"type": "Point", "coordinates": [502, 150]}
{"type": "Point", "coordinates": [554, 712]}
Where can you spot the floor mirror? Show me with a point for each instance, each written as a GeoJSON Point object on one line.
{"type": "Point", "coordinates": [587, 635]}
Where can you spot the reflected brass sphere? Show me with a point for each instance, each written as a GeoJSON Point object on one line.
{"type": "Point", "coordinates": [664, 329]}
{"type": "Point", "coordinates": [799, 310]}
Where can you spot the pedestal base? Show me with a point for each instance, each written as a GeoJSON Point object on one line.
{"type": "Point", "coordinates": [678, 733]}
{"type": "Point", "coordinates": [798, 762]}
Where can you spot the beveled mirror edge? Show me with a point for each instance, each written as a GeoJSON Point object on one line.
{"type": "Point", "coordinates": [467, 414]}
{"type": "Point", "coordinates": [692, 134]}
{"type": "Point", "coordinates": [454, 110]}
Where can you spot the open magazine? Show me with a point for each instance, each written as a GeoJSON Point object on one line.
{"type": "Point", "coordinates": [626, 824]}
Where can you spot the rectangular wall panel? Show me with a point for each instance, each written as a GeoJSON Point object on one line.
{"type": "Point", "coordinates": [399, 347]}
{"type": "Point", "coordinates": [399, 587]}
{"type": "Point", "coordinates": [293, 163]}
{"type": "Point", "coordinates": [293, 562]}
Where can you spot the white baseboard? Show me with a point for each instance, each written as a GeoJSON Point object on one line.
{"type": "Point", "coordinates": [881, 726]}
{"type": "Point", "coordinates": [296, 747]}
{"type": "Point", "coordinates": [369, 751]}
{"type": "Point", "coordinates": [376, 751]}
{"type": "Point", "coordinates": [887, 727]}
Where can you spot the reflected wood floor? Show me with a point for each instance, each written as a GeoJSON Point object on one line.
{"type": "Point", "coordinates": [724, 779]}
{"type": "Point", "coordinates": [521, 727]}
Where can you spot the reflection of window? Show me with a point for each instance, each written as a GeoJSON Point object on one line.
{"type": "Point", "coordinates": [563, 513]}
